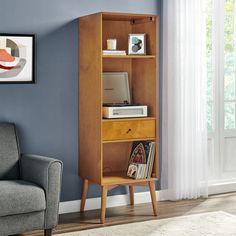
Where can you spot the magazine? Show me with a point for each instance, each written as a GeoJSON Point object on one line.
{"type": "Point", "coordinates": [141, 159]}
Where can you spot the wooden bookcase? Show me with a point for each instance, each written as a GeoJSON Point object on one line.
{"type": "Point", "coordinates": [105, 144]}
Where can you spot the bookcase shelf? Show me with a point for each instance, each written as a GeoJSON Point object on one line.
{"type": "Point", "coordinates": [112, 178]}
{"type": "Point", "coordinates": [105, 144]}
{"type": "Point", "coordinates": [129, 56]}
{"type": "Point", "coordinates": [128, 140]}
{"type": "Point", "coordinates": [128, 119]}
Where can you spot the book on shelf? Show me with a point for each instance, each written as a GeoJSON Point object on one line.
{"type": "Point", "coordinates": [136, 171]}
{"type": "Point", "coordinates": [150, 160]}
{"type": "Point", "coordinates": [114, 52]}
{"type": "Point", "coordinates": [141, 160]}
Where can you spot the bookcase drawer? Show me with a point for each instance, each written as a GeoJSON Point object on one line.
{"type": "Point", "coordinates": [125, 130]}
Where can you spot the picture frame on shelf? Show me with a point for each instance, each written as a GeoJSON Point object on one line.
{"type": "Point", "coordinates": [137, 44]}
{"type": "Point", "coordinates": [17, 58]}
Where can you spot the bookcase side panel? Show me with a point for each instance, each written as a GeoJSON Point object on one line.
{"type": "Point", "coordinates": [90, 97]}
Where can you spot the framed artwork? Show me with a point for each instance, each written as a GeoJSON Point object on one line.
{"type": "Point", "coordinates": [137, 44]}
{"type": "Point", "coordinates": [17, 58]}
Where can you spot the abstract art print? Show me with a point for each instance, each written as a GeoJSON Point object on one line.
{"type": "Point", "coordinates": [137, 44]}
{"type": "Point", "coordinates": [17, 58]}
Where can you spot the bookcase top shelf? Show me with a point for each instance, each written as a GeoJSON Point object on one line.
{"type": "Point", "coordinates": [116, 16]}
{"type": "Point", "coordinates": [130, 56]}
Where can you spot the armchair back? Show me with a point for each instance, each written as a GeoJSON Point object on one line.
{"type": "Point", "coordinates": [9, 152]}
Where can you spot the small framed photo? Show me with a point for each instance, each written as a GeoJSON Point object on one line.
{"type": "Point", "coordinates": [137, 44]}
{"type": "Point", "coordinates": [17, 58]}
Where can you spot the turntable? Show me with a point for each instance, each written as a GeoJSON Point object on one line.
{"type": "Point", "coordinates": [116, 97]}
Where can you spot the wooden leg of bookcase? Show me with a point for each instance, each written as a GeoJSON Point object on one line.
{"type": "Point", "coordinates": [103, 203]}
{"type": "Point", "coordinates": [84, 195]}
{"type": "Point", "coordinates": [131, 194]}
{"type": "Point", "coordinates": [153, 196]}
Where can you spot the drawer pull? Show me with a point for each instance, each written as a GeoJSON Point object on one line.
{"type": "Point", "coordinates": [129, 130]}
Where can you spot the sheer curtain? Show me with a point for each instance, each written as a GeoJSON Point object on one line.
{"type": "Point", "coordinates": [184, 130]}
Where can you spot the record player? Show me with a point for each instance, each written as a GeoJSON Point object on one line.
{"type": "Point", "coordinates": [116, 97]}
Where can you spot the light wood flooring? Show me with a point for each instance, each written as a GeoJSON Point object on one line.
{"type": "Point", "coordinates": [142, 212]}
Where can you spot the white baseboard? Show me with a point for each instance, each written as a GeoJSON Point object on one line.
{"type": "Point", "coordinates": [112, 201]}
{"type": "Point", "coordinates": [219, 188]}
{"type": "Point", "coordinates": [143, 197]}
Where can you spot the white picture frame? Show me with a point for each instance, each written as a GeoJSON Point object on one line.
{"type": "Point", "coordinates": [137, 44]}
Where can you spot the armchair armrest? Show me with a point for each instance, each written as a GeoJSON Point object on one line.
{"type": "Point", "coordinates": [47, 173]}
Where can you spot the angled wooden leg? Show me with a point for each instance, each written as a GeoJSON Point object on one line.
{"type": "Point", "coordinates": [153, 196]}
{"type": "Point", "coordinates": [131, 194]}
{"type": "Point", "coordinates": [48, 232]}
{"type": "Point", "coordinates": [84, 195]}
{"type": "Point", "coordinates": [103, 203]}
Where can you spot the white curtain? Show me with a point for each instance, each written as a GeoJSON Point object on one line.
{"type": "Point", "coordinates": [184, 130]}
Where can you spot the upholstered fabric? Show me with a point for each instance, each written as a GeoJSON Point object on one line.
{"type": "Point", "coordinates": [29, 187]}
{"type": "Point", "coordinates": [18, 197]}
{"type": "Point", "coordinates": [45, 172]}
{"type": "Point", "coordinates": [9, 154]}
{"type": "Point", "coordinates": [16, 224]}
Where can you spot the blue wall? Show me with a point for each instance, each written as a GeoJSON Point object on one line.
{"type": "Point", "coordinates": [46, 113]}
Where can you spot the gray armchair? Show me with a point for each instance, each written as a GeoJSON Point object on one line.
{"type": "Point", "coordinates": [29, 188]}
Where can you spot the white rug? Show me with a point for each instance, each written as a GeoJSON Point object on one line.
{"type": "Point", "coordinates": [207, 224]}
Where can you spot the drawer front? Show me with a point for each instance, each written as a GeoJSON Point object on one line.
{"type": "Point", "coordinates": [123, 130]}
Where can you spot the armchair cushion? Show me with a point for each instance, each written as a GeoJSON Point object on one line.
{"type": "Point", "coordinates": [19, 197]}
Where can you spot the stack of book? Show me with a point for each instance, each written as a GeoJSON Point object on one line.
{"type": "Point", "coordinates": [141, 160]}
{"type": "Point", "coordinates": [114, 52]}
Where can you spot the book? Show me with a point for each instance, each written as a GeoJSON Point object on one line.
{"type": "Point", "coordinates": [132, 171]}
{"type": "Point", "coordinates": [136, 171]}
{"type": "Point", "coordinates": [141, 159]}
{"type": "Point", "coordinates": [150, 160]}
{"type": "Point", "coordinates": [114, 52]}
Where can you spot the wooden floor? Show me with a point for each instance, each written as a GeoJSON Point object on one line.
{"type": "Point", "coordinates": [142, 212]}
